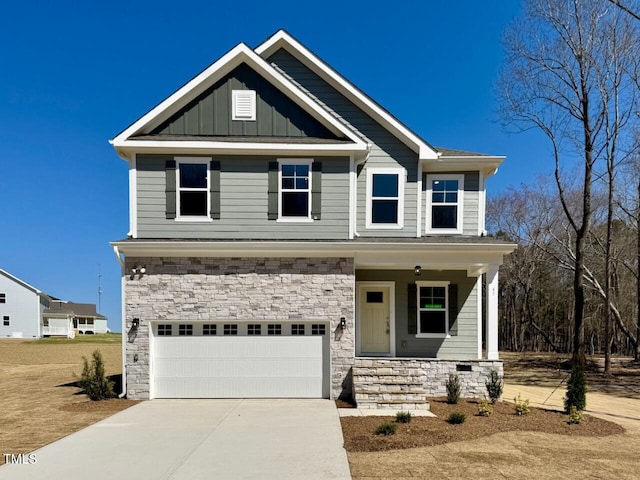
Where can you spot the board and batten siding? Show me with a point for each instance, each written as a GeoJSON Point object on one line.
{"type": "Point", "coordinates": [386, 150]}
{"type": "Point", "coordinates": [210, 113]}
{"type": "Point", "coordinates": [463, 345]}
{"type": "Point", "coordinates": [243, 202]}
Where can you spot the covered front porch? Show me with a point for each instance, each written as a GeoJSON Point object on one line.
{"type": "Point", "coordinates": [421, 315]}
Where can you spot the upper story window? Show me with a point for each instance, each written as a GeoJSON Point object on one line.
{"type": "Point", "coordinates": [294, 197]}
{"type": "Point", "coordinates": [444, 203]}
{"type": "Point", "coordinates": [3, 298]}
{"type": "Point", "coordinates": [193, 188]}
{"type": "Point", "coordinates": [433, 309]}
{"type": "Point", "coordinates": [6, 321]}
{"type": "Point", "coordinates": [244, 105]}
{"type": "Point", "coordinates": [385, 197]}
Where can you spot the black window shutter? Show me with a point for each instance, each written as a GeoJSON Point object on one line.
{"type": "Point", "coordinates": [316, 190]}
{"type": "Point", "coordinates": [273, 191]}
{"type": "Point", "coordinates": [170, 188]}
{"type": "Point", "coordinates": [412, 308]}
{"type": "Point", "coordinates": [214, 189]}
{"type": "Point", "coordinates": [453, 309]}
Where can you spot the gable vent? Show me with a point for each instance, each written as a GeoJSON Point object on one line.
{"type": "Point", "coordinates": [244, 104]}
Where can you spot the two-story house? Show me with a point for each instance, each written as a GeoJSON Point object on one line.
{"type": "Point", "coordinates": [290, 238]}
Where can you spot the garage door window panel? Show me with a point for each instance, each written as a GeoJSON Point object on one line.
{"type": "Point", "coordinates": [230, 329]}
{"type": "Point", "coordinates": [165, 330]}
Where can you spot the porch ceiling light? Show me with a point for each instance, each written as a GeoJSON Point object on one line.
{"type": "Point", "coordinates": [417, 269]}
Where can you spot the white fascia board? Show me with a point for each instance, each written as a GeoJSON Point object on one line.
{"type": "Point", "coordinates": [443, 256]}
{"type": "Point", "coordinates": [23, 283]}
{"type": "Point", "coordinates": [239, 54]}
{"type": "Point", "coordinates": [282, 39]}
{"type": "Point", "coordinates": [237, 148]}
{"type": "Point", "coordinates": [488, 165]}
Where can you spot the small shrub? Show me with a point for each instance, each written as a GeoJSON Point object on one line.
{"type": "Point", "coordinates": [484, 408]}
{"type": "Point", "coordinates": [456, 418]}
{"type": "Point", "coordinates": [575, 416]}
{"type": "Point", "coordinates": [386, 429]}
{"type": "Point", "coordinates": [93, 380]}
{"type": "Point", "coordinates": [521, 405]}
{"type": "Point", "coordinates": [403, 417]}
{"type": "Point", "coordinates": [494, 386]}
{"type": "Point", "coordinates": [453, 389]}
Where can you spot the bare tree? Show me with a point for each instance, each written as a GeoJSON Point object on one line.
{"type": "Point", "coordinates": [557, 78]}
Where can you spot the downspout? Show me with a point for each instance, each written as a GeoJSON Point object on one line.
{"type": "Point", "coordinates": [116, 252]}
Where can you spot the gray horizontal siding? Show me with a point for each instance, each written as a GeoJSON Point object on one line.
{"type": "Point", "coordinates": [243, 202]}
{"type": "Point", "coordinates": [387, 150]}
{"type": "Point", "coordinates": [464, 345]}
{"type": "Point", "coordinates": [276, 114]}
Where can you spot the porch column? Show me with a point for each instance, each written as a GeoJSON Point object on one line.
{"type": "Point", "coordinates": [492, 313]}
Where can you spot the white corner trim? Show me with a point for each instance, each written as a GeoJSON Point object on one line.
{"type": "Point", "coordinates": [419, 201]}
{"type": "Point", "coordinates": [282, 39]}
{"type": "Point", "coordinates": [352, 196]}
{"type": "Point", "coordinates": [402, 179]}
{"type": "Point", "coordinates": [479, 309]}
{"type": "Point", "coordinates": [482, 204]}
{"type": "Point", "coordinates": [133, 197]}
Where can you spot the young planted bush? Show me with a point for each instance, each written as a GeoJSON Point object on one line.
{"type": "Point", "coordinates": [403, 417]}
{"type": "Point", "coordinates": [453, 389]}
{"type": "Point", "coordinates": [494, 386]}
{"type": "Point", "coordinates": [93, 380]}
{"type": "Point", "coordinates": [456, 418]}
{"type": "Point", "coordinates": [521, 405]}
{"type": "Point", "coordinates": [386, 429]}
{"type": "Point", "coordinates": [484, 408]}
{"type": "Point", "coordinates": [575, 416]}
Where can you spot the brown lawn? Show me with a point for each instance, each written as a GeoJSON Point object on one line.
{"type": "Point", "coordinates": [39, 404]}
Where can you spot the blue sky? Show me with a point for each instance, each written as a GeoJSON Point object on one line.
{"type": "Point", "coordinates": [74, 74]}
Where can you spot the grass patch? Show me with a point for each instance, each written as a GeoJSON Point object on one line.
{"type": "Point", "coordinates": [100, 338]}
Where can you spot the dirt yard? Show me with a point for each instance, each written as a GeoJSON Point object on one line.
{"type": "Point", "coordinates": [522, 454]}
{"type": "Point", "coordinates": [39, 403]}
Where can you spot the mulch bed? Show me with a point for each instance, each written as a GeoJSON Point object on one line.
{"type": "Point", "coordinates": [359, 432]}
{"type": "Point", "coordinates": [112, 405]}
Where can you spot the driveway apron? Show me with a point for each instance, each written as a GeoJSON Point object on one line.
{"type": "Point", "coordinates": [198, 439]}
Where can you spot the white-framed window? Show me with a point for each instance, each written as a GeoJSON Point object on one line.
{"type": "Point", "coordinates": [192, 188]}
{"type": "Point", "coordinates": [385, 198]}
{"type": "Point", "coordinates": [209, 329]}
{"type": "Point", "coordinates": [294, 190]}
{"type": "Point", "coordinates": [318, 329]}
{"type": "Point", "coordinates": [297, 329]}
{"type": "Point", "coordinates": [254, 329]}
{"type": "Point", "coordinates": [6, 321]}
{"type": "Point", "coordinates": [274, 329]}
{"type": "Point", "coordinates": [445, 195]}
{"type": "Point", "coordinates": [433, 309]}
{"type": "Point", "coordinates": [3, 298]}
{"type": "Point", "coordinates": [230, 329]}
{"type": "Point", "coordinates": [185, 330]}
{"type": "Point", "coordinates": [244, 105]}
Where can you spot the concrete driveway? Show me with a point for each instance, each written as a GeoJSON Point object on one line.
{"type": "Point", "coordinates": [194, 439]}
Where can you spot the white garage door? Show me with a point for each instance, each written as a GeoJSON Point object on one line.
{"type": "Point", "coordinates": [193, 360]}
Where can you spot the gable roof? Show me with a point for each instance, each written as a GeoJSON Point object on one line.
{"type": "Point", "coordinates": [282, 39]}
{"type": "Point", "coordinates": [24, 284]}
{"type": "Point", "coordinates": [126, 139]}
{"type": "Point", "coordinates": [70, 308]}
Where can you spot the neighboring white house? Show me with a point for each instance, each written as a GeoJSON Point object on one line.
{"type": "Point", "coordinates": [26, 312]}
{"type": "Point", "coordinates": [65, 318]}
{"type": "Point", "coordinates": [21, 307]}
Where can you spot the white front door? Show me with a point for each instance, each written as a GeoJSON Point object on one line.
{"type": "Point", "coordinates": [375, 318]}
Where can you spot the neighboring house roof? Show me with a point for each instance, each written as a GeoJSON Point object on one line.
{"type": "Point", "coordinates": [24, 284]}
{"type": "Point", "coordinates": [76, 309]}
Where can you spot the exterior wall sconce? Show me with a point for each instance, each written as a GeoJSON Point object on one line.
{"type": "Point", "coordinates": [417, 270]}
{"type": "Point", "coordinates": [135, 323]}
{"type": "Point", "coordinates": [139, 270]}
{"type": "Point", "coordinates": [343, 323]}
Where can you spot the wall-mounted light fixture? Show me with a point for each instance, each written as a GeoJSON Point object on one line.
{"type": "Point", "coordinates": [343, 323]}
{"type": "Point", "coordinates": [139, 270]}
{"type": "Point", "coordinates": [135, 323]}
{"type": "Point", "coordinates": [417, 270]}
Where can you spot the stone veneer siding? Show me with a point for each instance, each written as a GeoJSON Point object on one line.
{"type": "Point", "coordinates": [373, 374]}
{"type": "Point", "coordinates": [239, 290]}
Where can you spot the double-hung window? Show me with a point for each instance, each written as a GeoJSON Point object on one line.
{"type": "Point", "coordinates": [444, 203]}
{"type": "Point", "coordinates": [385, 197]}
{"type": "Point", "coordinates": [433, 309]}
{"type": "Point", "coordinates": [3, 298]}
{"type": "Point", "coordinates": [294, 196]}
{"type": "Point", "coordinates": [192, 188]}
